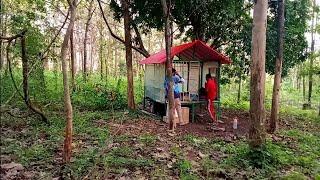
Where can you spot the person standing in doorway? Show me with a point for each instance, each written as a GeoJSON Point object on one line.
{"type": "Point", "coordinates": [176, 93]}
{"type": "Point", "coordinates": [211, 89]}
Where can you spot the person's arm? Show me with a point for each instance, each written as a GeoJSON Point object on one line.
{"type": "Point", "coordinates": [182, 80]}
{"type": "Point", "coordinates": [179, 78]}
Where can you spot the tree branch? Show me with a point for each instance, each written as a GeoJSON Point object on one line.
{"type": "Point", "coordinates": [10, 70]}
{"type": "Point", "coordinates": [9, 39]}
{"type": "Point", "coordinates": [55, 37]}
{"type": "Point", "coordinates": [25, 72]}
{"type": "Point", "coordinates": [143, 49]}
{"type": "Point", "coordinates": [138, 49]}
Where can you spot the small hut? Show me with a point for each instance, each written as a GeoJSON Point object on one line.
{"type": "Point", "coordinates": [193, 61]}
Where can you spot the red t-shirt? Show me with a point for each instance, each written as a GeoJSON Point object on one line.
{"type": "Point", "coordinates": [211, 88]}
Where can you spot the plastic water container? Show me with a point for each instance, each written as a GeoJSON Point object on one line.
{"type": "Point", "coordinates": [235, 123]}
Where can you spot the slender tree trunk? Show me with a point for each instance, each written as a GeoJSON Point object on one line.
{"type": "Point", "coordinates": [25, 73]}
{"type": "Point", "coordinates": [102, 64]}
{"type": "Point", "coordinates": [1, 34]}
{"type": "Point", "coordinates": [257, 84]}
{"type": "Point", "coordinates": [116, 61]}
{"type": "Point", "coordinates": [278, 70]}
{"type": "Point", "coordinates": [127, 31]}
{"type": "Point", "coordinates": [107, 59]}
{"type": "Point", "coordinates": [312, 54]}
{"type": "Point", "coordinates": [90, 13]}
{"type": "Point", "coordinates": [4, 23]}
{"type": "Point", "coordinates": [91, 57]}
{"type": "Point", "coordinates": [298, 81]}
{"type": "Point", "coordinates": [304, 87]}
{"type": "Point", "coordinates": [166, 11]}
{"type": "Point", "coordinates": [239, 88]}
{"type": "Point", "coordinates": [67, 99]}
{"type": "Point", "coordinates": [73, 64]}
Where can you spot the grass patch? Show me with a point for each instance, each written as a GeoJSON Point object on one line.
{"type": "Point", "coordinates": [185, 167]}
{"type": "Point", "coordinates": [148, 139]}
{"type": "Point", "coordinates": [123, 157]}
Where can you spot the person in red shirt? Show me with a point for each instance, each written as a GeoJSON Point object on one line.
{"type": "Point", "coordinates": [211, 89]}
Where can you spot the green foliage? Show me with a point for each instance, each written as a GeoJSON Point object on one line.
{"type": "Point", "coordinates": [208, 166]}
{"type": "Point", "coordinates": [111, 96]}
{"type": "Point", "coordinates": [295, 43]}
{"type": "Point", "coordinates": [228, 20]}
{"type": "Point", "coordinates": [147, 139]}
{"type": "Point", "coordinates": [194, 140]}
{"type": "Point", "coordinates": [176, 151]}
{"type": "Point", "coordinates": [91, 95]}
{"type": "Point", "coordinates": [185, 167]}
{"type": "Point", "coordinates": [294, 176]}
{"type": "Point", "coordinates": [84, 160]}
{"type": "Point", "coordinates": [122, 157]}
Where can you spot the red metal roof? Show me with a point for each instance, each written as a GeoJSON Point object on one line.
{"type": "Point", "coordinates": [192, 50]}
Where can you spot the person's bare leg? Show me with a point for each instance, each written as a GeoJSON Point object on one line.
{"type": "Point", "coordinates": [177, 104]}
{"type": "Point", "coordinates": [211, 113]}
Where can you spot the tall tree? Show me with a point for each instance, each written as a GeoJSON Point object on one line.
{"type": "Point", "coordinates": [127, 31]}
{"type": "Point", "coordinates": [312, 52]}
{"type": "Point", "coordinates": [101, 45]}
{"type": "Point", "coordinates": [278, 70]}
{"type": "Point", "coordinates": [67, 99]}
{"type": "Point", "coordinates": [73, 63]}
{"type": "Point", "coordinates": [295, 25]}
{"type": "Point", "coordinates": [89, 17]}
{"type": "Point", "coordinates": [2, 27]}
{"type": "Point", "coordinates": [166, 7]}
{"type": "Point", "coordinates": [257, 83]}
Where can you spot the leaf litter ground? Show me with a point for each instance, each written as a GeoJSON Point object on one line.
{"type": "Point", "coordinates": [134, 146]}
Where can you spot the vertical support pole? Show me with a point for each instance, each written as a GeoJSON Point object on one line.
{"type": "Point", "coordinates": [188, 76]}
{"type": "Point", "coordinates": [144, 88]}
{"type": "Point", "coordinates": [218, 82]}
{"type": "Point", "coordinates": [201, 74]}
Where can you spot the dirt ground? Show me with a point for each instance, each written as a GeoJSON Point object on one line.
{"type": "Point", "coordinates": [132, 143]}
{"type": "Point", "coordinates": [202, 127]}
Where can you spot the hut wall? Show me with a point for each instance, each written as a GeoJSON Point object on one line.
{"type": "Point", "coordinates": [154, 79]}
{"type": "Point", "coordinates": [209, 67]}
{"type": "Point", "coordinates": [194, 77]}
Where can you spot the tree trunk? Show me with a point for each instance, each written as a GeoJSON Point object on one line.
{"type": "Point", "coordinates": [312, 54]}
{"type": "Point", "coordinates": [257, 84]}
{"type": "Point", "coordinates": [278, 70]}
{"type": "Point", "coordinates": [67, 99]}
{"type": "Point", "coordinates": [127, 31]}
{"type": "Point", "coordinates": [91, 56]}
{"type": "Point", "coordinates": [101, 51]}
{"type": "Point", "coordinates": [239, 88]}
{"type": "Point", "coordinates": [304, 88]}
{"type": "Point", "coordinates": [25, 75]}
{"type": "Point", "coordinates": [1, 34]}
{"type": "Point", "coordinates": [90, 13]}
{"type": "Point", "coordinates": [4, 23]}
{"type": "Point", "coordinates": [115, 57]}
{"type": "Point", "coordinates": [168, 37]}
{"type": "Point", "coordinates": [73, 64]}
{"type": "Point", "coordinates": [106, 61]}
